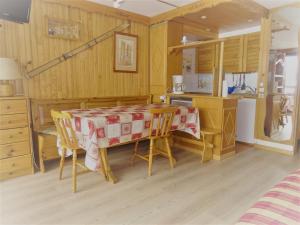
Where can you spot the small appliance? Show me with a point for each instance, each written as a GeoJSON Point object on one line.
{"type": "Point", "coordinates": [178, 85]}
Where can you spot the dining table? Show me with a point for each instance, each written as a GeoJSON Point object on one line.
{"type": "Point", "coordinates": [98, 129]}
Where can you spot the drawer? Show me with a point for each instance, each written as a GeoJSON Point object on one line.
{"type": "Point", "coordinates": [13, 106]}
{"type": "Point", "coordinates": [14, 135]}
{"type": "Point", "coordinates": [14, 149]}
{"type": "Point", "coordinates": [16, 166]}
{"type": "Point", "coordinates": [13, 121]}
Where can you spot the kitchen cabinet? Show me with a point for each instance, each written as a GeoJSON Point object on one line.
{"type": "Point", "coordinates": [251, 52]}
{"type": "Point", "coordinates": [233, 55]}
{"type": "Point", "coordinates": [241, 53]}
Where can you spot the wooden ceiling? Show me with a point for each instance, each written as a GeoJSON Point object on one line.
{"type": "Point", "coordinates": [226, 17]}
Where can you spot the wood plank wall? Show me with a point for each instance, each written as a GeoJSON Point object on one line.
{"type": "Point", "coordinates": [89, 74]}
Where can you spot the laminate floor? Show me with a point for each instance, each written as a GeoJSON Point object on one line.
{"type": "Point", "coordinates": [192, 193]}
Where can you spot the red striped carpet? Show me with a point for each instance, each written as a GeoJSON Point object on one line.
{"type": "Point", "coordinates": [279, 206]}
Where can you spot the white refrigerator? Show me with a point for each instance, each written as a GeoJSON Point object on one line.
{"type": "Point", "coordinates": [246, 120]}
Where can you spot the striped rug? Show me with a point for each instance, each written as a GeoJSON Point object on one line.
{"type": "Point", "coordinates": [279, 206]}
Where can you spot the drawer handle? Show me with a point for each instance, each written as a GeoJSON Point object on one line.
{"type": "Point", "coordinates": [9, 122]}
{"type": "Point", "coordinates": [20, 132]}
{"type": "Point", "coordinates": [13, 165]}
{"type": "Point", "coordinates": [8, 107]}
{"type": "Point", "coordinates": [10, 136]}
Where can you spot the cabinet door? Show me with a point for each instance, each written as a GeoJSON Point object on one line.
{"type": "Point", "coordinates": [233, 55]}
{"type": "Point", "coordinates": [251, 52]}
{"type": "Point", "coordinates": [206, 58]}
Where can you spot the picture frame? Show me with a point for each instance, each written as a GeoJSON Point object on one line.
{"type": "Point", "coordinates": [64, 29]}
{"type": "Point", "coordinates": [125, 52]}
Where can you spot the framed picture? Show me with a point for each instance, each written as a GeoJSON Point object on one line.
{"type": "Point", "coordinates": [57, 28]}
{"type": "Point", "coordinates": [125, 55]}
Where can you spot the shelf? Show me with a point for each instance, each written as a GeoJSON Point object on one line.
{"type": "Point", "coordinates": [193, 45]}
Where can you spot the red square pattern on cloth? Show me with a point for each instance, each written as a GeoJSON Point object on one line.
{"type": "Point", "coordinates": [137, 116]}
{"type": "Point", "coordinates": [112, 119]}
{"type": "Point", "coordinates": [91, 128]}
{"type": "Point", "coordinates": [100, 133]}
{"type": "Point", "coordinates": [78, 124]}
{"type": "Point", "coordinates": [147, 124]}
{"type": "Point", "coordinates": [126, 129]}
{"type": "Point", "coordinates": [136, 136]}
{"type": "Point", "coordinates": [183, 119]}
{"type": "Point", "coordinates": [191, 110]}
{"type": "Point", "coordinates": [114, 141]}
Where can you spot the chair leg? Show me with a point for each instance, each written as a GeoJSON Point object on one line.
{"type": "Point", "coordinates": [135, 152]}
{"type": "Point", "coordinates": [169, 152]}
{"type": "Point", "coordinates": [62, 162]}
{"type": "Point", "coordinates": [74, 173]}
{"type": "Point", "coordinates": [41, 146]}
{"type": "Point", "coordinates": [150, 158]}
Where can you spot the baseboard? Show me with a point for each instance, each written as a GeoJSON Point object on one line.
{"type": "Point", "coordinates": [274, 147]}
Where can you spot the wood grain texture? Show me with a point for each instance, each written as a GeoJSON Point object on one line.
{"type": "Point", "coordinates": [89, 74]}
{"type": "Point", "coordinates": [251, 52]}
{"type": "Point", "coordinates": [191, 193]}
{"type": "Point", "coordinates": [158, 60]}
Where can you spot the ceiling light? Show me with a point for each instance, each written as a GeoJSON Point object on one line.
{"type": "Point", "coordinates": [203, 17]}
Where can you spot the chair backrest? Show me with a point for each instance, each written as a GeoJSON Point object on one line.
{"type": "Point", "coordinates": [164, 118]}
{"type": "Point", "coordinates": [65, 131]}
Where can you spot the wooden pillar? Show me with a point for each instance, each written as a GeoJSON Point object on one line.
{"type": "Point", "coordinates": [221, 68]}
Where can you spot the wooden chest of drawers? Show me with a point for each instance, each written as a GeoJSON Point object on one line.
{"type": "Point", "coordinates": [15, 146]}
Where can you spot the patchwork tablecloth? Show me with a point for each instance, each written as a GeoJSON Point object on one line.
{"type": "Point", "coordinates": [106, 127]}
{"type": "Point", "coordinates": [279, 206]}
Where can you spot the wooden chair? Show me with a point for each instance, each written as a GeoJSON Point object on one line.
{"type": "Point", "coordinates": [164, 117]}
{"type": "Point", "coordinates": [65, 132]}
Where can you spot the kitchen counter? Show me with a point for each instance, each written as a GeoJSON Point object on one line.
{"type": "Point", "coordinates": [199, 95]}
{"type": "Point", "coordinates": [216, 113]}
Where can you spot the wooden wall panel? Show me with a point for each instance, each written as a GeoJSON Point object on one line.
{"type": "Point", "coordinates": [89, 74]}
{"type": "Point", "coordinates": [158, 60]}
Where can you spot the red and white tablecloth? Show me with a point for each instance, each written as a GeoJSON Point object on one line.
{"type": "Point", "coordinates": [106, 127]}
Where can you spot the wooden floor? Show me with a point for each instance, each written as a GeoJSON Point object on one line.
{"type": "Point", "coordinates": [193, 193]}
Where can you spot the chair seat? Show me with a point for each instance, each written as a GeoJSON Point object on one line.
{"type": "Point", "coordinates": [49, 131]}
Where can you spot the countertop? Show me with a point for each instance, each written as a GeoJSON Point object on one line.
{"type": "Point", "coordinates": [194, 95]}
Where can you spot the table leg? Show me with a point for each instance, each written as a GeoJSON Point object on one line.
{"type": "Point", "coordinates": [41, 146]}
{"type": "Point", "coordinates": [103, 170]}
{"type": "Point", "coordinates": [111, 177]}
